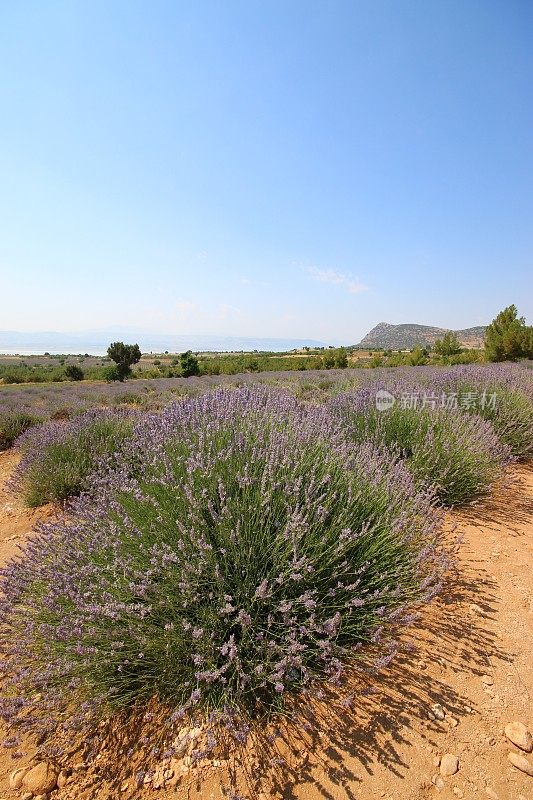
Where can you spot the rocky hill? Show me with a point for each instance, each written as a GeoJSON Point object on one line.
{"type": "Point", "coordinates": [406, 336]}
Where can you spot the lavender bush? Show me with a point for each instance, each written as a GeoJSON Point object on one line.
{"type": "Point", "coordinates": [510, 412]}
{"type": "Point", "coordinates": [13, 424]}
{"type": "Point", "coordinates": [241, 549]}
{"type": "Point", "coordinates": [459, 455]}
{"type": "Point", "coordinates": [59, 457]}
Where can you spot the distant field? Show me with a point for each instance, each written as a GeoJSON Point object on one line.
{"type": "Point", "coordinates": [47, 368]}
{"type": "Point", "coordinates": [60, 398]}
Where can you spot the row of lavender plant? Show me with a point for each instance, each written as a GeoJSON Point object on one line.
{"type": "Point", "coordinates": [58, 457]}
{"type": "Point", "coordinates": [458, 455]}
{"type": "Point", "coordinates": [500, 393]}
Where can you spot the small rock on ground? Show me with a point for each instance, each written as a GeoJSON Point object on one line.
{"type": "Point", "coordinates": [518, 734]}
{"type": "Point", "coordinates": [15, 779]}
{"type": "Point", "coordinates": [42, 778]}
{"type": "Point", "coordinates": [449, 764]}
{"type": "Point", "coordinates": [439, 783]}
{"type": "Point", "coordinates": [520, 763]}
{"type": "Point", "coordinates": [437, 711]}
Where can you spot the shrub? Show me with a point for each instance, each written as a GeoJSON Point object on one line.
{"type": "Point", "coordinates": [111, 374]}
{"type": "Point", "coordinates": [58, 457]}
{"type": "Point", "coordinates": [13, 424]}
{"type": "Point", "coordinates": [459, 455]}
{"type": "Point", "coordinates": [189, 364]}
{"type": "Point", "coordinates": [241, 549]}
{"type": "Point", "coordinates": [73, 372]}
{"type": "Point", "coordinates": [510, 412]}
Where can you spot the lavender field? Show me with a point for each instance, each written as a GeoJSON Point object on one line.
{"type": "Point", "coordinates": [230, 544]}
{"type": "Point", "coordinates": [49, 400]}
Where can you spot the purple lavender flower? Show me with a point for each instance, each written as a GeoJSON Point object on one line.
{"type": "Point", "coordinates": [240, 542]}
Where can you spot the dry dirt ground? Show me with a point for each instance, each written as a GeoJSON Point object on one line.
{"type": "Point", "coordinates": [473, 656]}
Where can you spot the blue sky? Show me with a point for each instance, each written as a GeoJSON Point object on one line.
{"type": "Point", "coordinates": [269, 168]}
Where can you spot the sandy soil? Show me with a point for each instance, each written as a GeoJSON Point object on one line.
{"type": "Point", "coordinates": [473, 656]}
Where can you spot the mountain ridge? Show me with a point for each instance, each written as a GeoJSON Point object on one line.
{"type": "Point", "coordinates": [408, 335]}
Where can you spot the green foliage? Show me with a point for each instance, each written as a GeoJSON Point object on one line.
{"type": "Point", "coordinates": [508, 338]}
{"type": "Point", "coordinates": [13, 424]}
{"type": "Point", "coordinates": [189, 364]}
{"type": "Point", "coordinates": [449, 345]}
{"type": "Point", "coordinates": [417, 357]}
{"type": "Point", "coordinates": [25, 373]}
{"type": "Point", "coordinates": [341, 358]}
{"type": "Point", "coordinates": [74, 373]}
{"type": "Point", "coordinates": [329, 359]}
{"type": "Point", "coordinates": [124, 356]}
{"type": "Point", "coordinates": [111, 373]}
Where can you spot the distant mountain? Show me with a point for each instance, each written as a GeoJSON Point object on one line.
{"type": "Point", "coordinates": [96, 342]}
{"type": "Point", "coordinates": [407, 336]}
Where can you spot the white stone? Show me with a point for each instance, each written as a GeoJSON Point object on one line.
{"type": "Point", "coordinates": [518, 734]}
{"type": "Point", "coordinates": [520, 763]}
{"type": "Point", "coordinates": [449, 764]}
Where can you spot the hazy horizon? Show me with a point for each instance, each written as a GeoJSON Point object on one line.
{"type": "Point", "coordinates": [95, 342]}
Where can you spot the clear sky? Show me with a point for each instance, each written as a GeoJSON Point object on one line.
{"type": "Point", "coordinates": [265, 167]}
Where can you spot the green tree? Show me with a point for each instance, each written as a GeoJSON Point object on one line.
{"type": "Point", "coordinates": [508, 337]}
{"type": "Point", "coordinates": [329, 360]}
{"type": "Point", "coordinates": [449, 345]}
{"type": "Point", "coordinates": [341, 358]}
{"type": "Point", "coordinates": [417, 357]}
{"type": "Point", "coordinates": [124, 355]}
{"type": "Point", "coordinates": [189, 364]}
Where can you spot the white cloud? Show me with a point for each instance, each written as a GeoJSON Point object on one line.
{"type": "Point", "coordinates": [333, 276]}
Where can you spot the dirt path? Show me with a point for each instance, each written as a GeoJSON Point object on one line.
{"type": "Point", "coordinates": [16, 521]}
{"type": "Point", "coordinates": [473, 656]}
